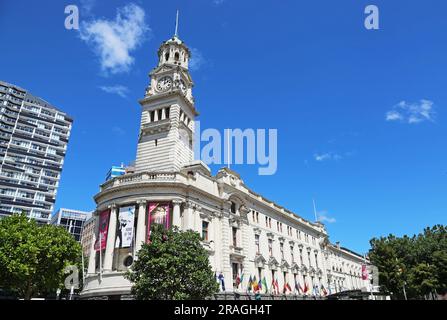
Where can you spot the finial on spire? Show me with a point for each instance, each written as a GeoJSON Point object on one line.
{"type": "Point", "coordinates": [176, 25]}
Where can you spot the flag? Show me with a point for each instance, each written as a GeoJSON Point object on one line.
{"type": "Point", "coordinates": [288, 287]}
{"type": "Point", "coordinates": [277, 286]}
{"type": "Point", "coordinates": [264, 283]}
{"type": "Point", "coordinates": [222, 281]}
{"type": "Point", "coordinates": [324, 290]}
{"type": "Point", "coordinates": [365, 275]}
{"type": "Point", "coordinates": [238, 281]}
{"type": "Point", "coordinates": [260, 284]}
{"type": "Point", "coordinates": [273, 286]}
{"type": "Point", "coordinates": [250, 284]}
{"type": "Point", "coordinates": [306, 288]}
{"type": "Point", "coordinates": [255, 284]}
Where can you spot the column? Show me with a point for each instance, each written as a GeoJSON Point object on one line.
{"type": "Point", "coordinates": [189, 216]}
{"type": "Point", "coordinates": [141, 226]}
{"type": "Point", "coordinates": [197, 220]}
{"type": "Point", "coordinates": [92, 257]}
{"type": "Point", "coordinates": [110, 246]}
{"type": "Point", "coordinates": [176, 219]}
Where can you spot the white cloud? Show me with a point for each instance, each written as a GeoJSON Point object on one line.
{"type": "Point", "coordinates": [322, 157]}
{"type": "Point", "coordinates": [323, 217]}
{"type": "Point", "coordinates": [412, 112]}
{"type": "Point", "coordinates": [197, 60]}
{"type": "Point", "coordinates": [114, 40]}
{"type": "Point", "coordinates": [327, 156]}
{"type": "Point", "coordinates": [117, 89]}
{"type": "Point", "coordinates": [218, 2]}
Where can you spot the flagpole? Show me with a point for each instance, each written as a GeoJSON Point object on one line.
{"type": "Point", "coordinates": [100, 253]}
{"type": "Point", "coordinates": [176, 24]}
{"type": "Point", "coordinates": [228, 149]}
{"type": "Point", "coordinates": [82, 253]}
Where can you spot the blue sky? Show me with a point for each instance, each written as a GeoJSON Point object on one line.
{"type": "Point", "coordinates": [360, 114]}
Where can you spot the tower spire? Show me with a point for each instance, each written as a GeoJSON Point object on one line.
{"type": "Point", "coordinates": [176, 25]}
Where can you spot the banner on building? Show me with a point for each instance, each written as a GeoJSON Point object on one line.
{"type": "Point", "coordinates": [364, 272]}
{"type": "Point", "coordinates": [102, 230]}
{"type": "Point", "coordinates": [158, 213]}
{"type": "Point", "coordinates": [125, 230]}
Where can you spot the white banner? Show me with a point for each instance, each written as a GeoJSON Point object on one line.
{"type": "Point", "coordinates": [124, 234]}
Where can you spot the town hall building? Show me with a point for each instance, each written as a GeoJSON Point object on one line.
{"type": "Point", "coordinates": [245, 234]}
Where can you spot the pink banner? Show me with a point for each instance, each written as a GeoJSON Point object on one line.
{"type": "Point", "coordinates": [158, 213]}
{"type": "Point", "coordinates": [103, 230]}
{"type": "Point", "coordinates": [364, 272]}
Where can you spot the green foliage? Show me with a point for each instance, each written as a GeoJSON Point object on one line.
{"type": "Point", "coordinates": [32, 257]}
{"type": "Point", "coordinates": [419, 262]}
{"type": "Point", "coordinates": [174, 266]}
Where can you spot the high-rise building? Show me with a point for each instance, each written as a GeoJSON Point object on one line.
{"type": "Point", "coordinates": [87, 235]}
{"type": "Point", "coordinates": [72, 220]}
{"type": "Point", "coordinates": [33, 142]}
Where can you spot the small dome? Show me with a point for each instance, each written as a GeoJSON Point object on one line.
{"type": "Point", "coordinates": [175, 40]}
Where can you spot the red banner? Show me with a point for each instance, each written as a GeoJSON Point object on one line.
{"type": "Point", "coordinates": [364, 272]}
{"type": "Point", "coordinates": [103, 230]}
{"type": "Point", "coordinates": [158, 213]}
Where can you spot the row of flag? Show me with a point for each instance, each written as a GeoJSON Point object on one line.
{"type": "Point", "coordinates": [257, 286]}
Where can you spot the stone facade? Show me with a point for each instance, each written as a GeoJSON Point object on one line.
{"type": "Point", "coordinates": [244, 233]}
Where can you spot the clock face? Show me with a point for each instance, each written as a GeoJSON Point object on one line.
{"type": "Point", "coordinates": [183, 86]}
{"type": "Point", "coordinates": [164, 83]}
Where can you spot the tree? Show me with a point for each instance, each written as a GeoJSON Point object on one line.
{"type": "Point", "coordinates": [173, 266]}
{"type": "Point", "coordinates": [422, 279]}
{"type": "Point", "coordinates": [420, 262]}
{"type": "Point", "coordinates": [33, 257]}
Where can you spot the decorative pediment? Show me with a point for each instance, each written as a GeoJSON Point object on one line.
{"type": "Point", "coordinates": [206, 215]}
{"type": "Point", "coordinates": [312, 270]}
{"type": "Point", "coordinates": [273, 263]}
{"type": "Point", "coordinates": [281, 239]}
{"type": "Point", "coordinates": [304, 269]}
{"type": "Point", "coordinates": [162, 69]}
{"type": "Point", "coordinates": [270, 236]}
{"type": "Point", "coordinates": [257, 230]}
{"type": "Point", "coordinates": [284, 265]}
{"type": "Point", "coordinates": [295, 267]}
{"type": "Point", "coordinates": [260, 261]}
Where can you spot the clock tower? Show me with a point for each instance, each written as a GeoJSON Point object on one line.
{"type": "Point", "coordinates": [168, 112]}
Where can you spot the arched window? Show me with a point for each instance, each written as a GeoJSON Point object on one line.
{"type": "Point", "coordinates": [177, 56]}
{"type": "Point", "coordinates": [166, 56]}
{"type": "Point", "coordinates": [233, 207]}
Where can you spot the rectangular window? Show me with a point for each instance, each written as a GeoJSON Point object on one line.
{"type": "Point", "coordinates": [270, 247]}
{"type": "Point", "coordinates": [257, 243]}
{"type": "Point", "coordinates": [281, 248]}
{"type": "Point", "coordinates": [235, 268]}
{"type": "Point", "coordinates": [234, 237]}
{"type": "Point", "coordinates": [205, 225]}
{"type": "Point", "coordinates": [292, 255]}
